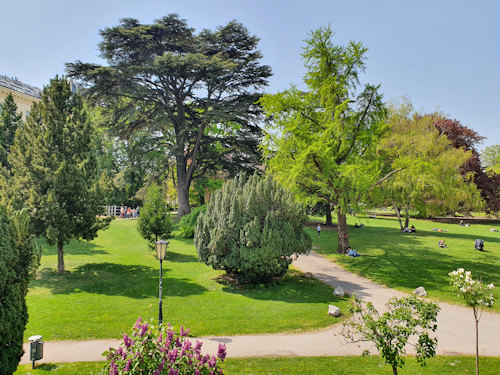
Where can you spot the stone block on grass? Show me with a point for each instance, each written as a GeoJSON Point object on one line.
{"type": "Point", "coordinates": [333, 310]}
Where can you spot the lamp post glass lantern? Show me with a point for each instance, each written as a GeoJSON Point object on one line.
{"type": "Point", "coordinates": [161, 251]}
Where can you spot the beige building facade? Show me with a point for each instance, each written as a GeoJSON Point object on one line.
{"type": "Point", "coordinates": [24, 95]}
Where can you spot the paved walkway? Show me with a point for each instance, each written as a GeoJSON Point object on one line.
{"type": "Point", "coordinates": [455, 328]}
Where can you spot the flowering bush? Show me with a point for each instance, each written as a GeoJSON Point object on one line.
{"type": "Point", "coordinates": [474, 292]}
{"type": "Point", "coordinates": [476, 295]}
{"type": "Point", "coordinates": [408, 321]}
{"type": "Point", "coordinates": [163, 351]}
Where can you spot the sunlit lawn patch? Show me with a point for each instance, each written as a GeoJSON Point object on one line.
{"type": "Point", "coordinates": [407, 260]}
{"type": "Point", "coordinates": [113, 280]}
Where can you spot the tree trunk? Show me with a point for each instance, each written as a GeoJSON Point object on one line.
{"type": "Point", "coordinates": [328, 209]}
{"type": "Point", "coordinates": [183, 183]}
{"type": "Point", "coordinates": [398, 213]}
{"type": "Point", "coordinates": [477, 341]}
{"type": "Point", "coordinates": [60, 257]}
{"type": "Point", "coordinates": [342, 232]}
{"type": "Point", "coordinates": [394, 370]}
{"type": "Point", "coordinates": [183, 199]}
{"type": "Point", "coordinates": [407, 216]}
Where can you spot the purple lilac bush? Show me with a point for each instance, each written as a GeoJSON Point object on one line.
{"type": "Point", "coordinates": [164, 351]}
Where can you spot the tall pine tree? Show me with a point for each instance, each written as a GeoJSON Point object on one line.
{"type": "Point", "coordinates": [10, 120]}
{"type": "Point", "coordinates": [55, 170]}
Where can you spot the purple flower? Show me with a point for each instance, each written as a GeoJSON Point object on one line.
{"type": "Point", "coordinates": [184, 333]}
{"type": "Point", "coordinates": [113, 370]}
{"type": "Point", "coordinates": [186, 345]}
{"type": "Point", "coordinates": [198, 345]}
{"type": "Point", "coordinates": [127, 366]}
{"type": "Point", "coordinates": [173, 372]}
{"type": "Point", "coordinates": [127, 341]}
{"type": "Point", "coordinates": [197, 372]}
{"type": "Point", "coordinates": [204, 359]}
{"type": "Point", "coordinates": [170, 334]}
{"type": "Point", "coordinates": [212, 362]}
{"type": "Point", "coordinates": [156, 372]}
{"type": "Point", "coordinates": [144, 328]}
{"type": "Point", "coordinates": [221, 352]}
{"type": "Point", "coordinates": [138, 323]}
{"type": "Point", "coordinates": [178, 342]}
{"type": "Point", "coordinates": [172, 355]}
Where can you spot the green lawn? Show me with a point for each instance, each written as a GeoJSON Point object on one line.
{"type": "Point", "coordinates": [407, 260]}
{"type": "Point", "coordinates": [113, 280]}
{"type": "Point", "coordinates": [308, 365]}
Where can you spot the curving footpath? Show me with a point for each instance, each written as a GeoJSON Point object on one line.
{"type": "Point", "coordinates": [455, 328]}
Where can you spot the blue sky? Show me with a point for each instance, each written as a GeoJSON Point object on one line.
{"type": "Point", "coordinates": [444, 55]}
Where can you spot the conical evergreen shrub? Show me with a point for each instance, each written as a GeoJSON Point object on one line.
{"type": "Point", "coordinates": [251, 229]}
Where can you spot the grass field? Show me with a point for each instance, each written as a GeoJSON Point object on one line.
{"type": "Point", "coordinates": [307, 365]}
{"type": "Point", "coordinates": [113, 280]}
{"type": "Point", "coordinates": [407, 260]}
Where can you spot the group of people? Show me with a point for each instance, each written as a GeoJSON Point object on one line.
{"type": "Point", "coordinates": [412, 229]}
{"type": "Point", "coordinates": [127, 212]}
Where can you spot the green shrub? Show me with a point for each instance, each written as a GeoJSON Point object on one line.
{"type": "Point", "coordinates": [251, 229]}
{"type": "Point", "coordinates": [19, 259]}
{"type": "Point", "coordinates": [188, 222]}
{"type": "Point", "coordinates": [154, 220]}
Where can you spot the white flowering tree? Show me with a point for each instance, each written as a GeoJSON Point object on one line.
{"type": "Point", "coordinates": [476, 295]}
{"type": "Point", "coordinates": [408, 321]}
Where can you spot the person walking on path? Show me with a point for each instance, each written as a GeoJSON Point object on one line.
{"type": "Point", "coordinates": [318, 228]}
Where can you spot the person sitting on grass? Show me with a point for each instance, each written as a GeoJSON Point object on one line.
{"type": "Point", "coordinates": [413, 229]}
{"type": "Point", "coordinates": [406, 230]}
{"type": "Point", "coordinates": [479, 245]}
{"type": "Point", "coordinates": [352, 252]}
{"type": "Point", "coordinates": [359, 226]}
{"type": "Point", "coordinates": [442, 244]}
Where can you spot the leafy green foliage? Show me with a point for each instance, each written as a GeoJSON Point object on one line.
{"type": "Point", "coordinates": [251, 229]}
{"type": "Point", "coordinates": [188, 222]}
{"type": "Point", "coordinates": [392, 330]}
{"type": "Point", "coordinates": [19, 259]}
{"type": "Point", "coordinates": [491, 158]}
{"type": "Point", "coordinates": [197, 91]}
{"type": "Point", "coordinates": [10, 120]}
{"type": "Point", "coordinates": [154, 220]}
{"type": "Point", "coordinates": [428, 178]}
{"type": "Point", "coordinates": [321, 141]}
{"type": "Point", "coordinates": [164, 351]}
{"type": "Point", "coordinates": [54, 169]}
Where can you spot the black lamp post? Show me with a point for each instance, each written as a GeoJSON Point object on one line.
{"type": "Point", "coordinates": [161, 251]}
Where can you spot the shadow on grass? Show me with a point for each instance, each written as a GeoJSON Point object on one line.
{"type": "Point", "coordinates": [133, 281]}
{"type": "Point", "coordinates": [47, 367]}
{"type": "Point", "coordinates": [80, 247]}
{"type": "Point", "coordinates": [181, 258]}
{"type": "Point", "coordinates": [293, 288]}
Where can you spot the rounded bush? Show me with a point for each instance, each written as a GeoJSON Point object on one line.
{"type": "Point", "coordinates": [251, 229]}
